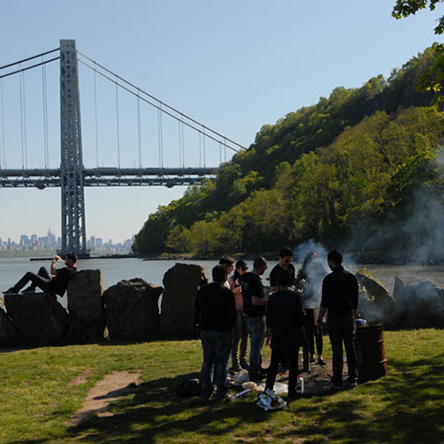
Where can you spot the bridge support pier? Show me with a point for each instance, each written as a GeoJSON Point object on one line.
{"type": "Point", "coordinates": [73, 200]}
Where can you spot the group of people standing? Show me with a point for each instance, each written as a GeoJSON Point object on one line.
{"type": "Point", "coordinates": [231, 310]}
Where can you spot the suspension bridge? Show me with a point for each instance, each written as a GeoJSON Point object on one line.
{"type": "Point", "coordinates": [72, 176]}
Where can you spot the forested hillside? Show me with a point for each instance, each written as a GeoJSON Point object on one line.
{"type": "Point", "coordinates": [349, 170]}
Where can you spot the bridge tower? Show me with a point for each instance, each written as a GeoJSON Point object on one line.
{"type": "Point", "coordinates": [73, 200]}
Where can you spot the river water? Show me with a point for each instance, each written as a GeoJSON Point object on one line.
{"type": "Point", "coordinates": [115, 270]}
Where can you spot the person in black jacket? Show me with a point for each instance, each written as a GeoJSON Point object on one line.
{"type": "Point", "coordinates": [285, 329]}
{"type": "Point", "coordinates": [340, 299]}
{"type": "Point", "coordinates": [216, 316]}
{"type": "Point", "coordinates": [54, 283]}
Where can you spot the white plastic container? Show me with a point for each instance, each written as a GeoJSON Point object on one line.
{"type": "Point", "coordinates": [300, 385]}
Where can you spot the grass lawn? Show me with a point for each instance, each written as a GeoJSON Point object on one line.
{"type": "Point", "coordinates": [37, 400]}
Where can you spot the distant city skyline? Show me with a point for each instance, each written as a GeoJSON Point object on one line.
{"type": "Point", "coordinates": [50, 242]}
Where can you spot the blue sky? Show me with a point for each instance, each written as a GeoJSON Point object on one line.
{"type": "Point", "coordinates": [233, 65]}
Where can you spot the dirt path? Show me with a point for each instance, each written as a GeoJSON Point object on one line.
{"type": "Point", "coordinates": [110, 388]}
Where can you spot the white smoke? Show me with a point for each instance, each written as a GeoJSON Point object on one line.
{"type": "Point", "coordinates": [314, 273]}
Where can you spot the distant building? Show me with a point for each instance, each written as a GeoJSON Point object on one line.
{"type": "Point", "coordinates": [51, 243]}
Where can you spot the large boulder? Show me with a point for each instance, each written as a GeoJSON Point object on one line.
{"type": "Point", "coordinates": [9, 335]}
{"type": "Point", "coordinates": [421, 302]}
{"type": "Point", "coordinates": [132, 309]}
{"type": "Point", "coordinates": [376, 304]}
{"type": "Point", "coordinates": [40, 319]}
{"type": "Point", "coordinates": [85, 306]}
{"type": "Point", "coordinates": [181, 284]}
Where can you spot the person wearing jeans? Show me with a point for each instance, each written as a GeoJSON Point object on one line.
{"type": "Point", "coordinates": [240, 335]}
{"type": "Point", "coordinates": [254, 312]}
{"type": "Point", "coordinates": [216, 347]}
{"type": "Point", "coordinates": [216, 316]}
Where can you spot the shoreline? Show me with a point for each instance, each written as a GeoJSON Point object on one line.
{"type": "Point", "coordinates": [373, 258]}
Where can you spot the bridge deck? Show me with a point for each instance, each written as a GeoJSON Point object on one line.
{"type": "Point", "coordinates": [105, 177]}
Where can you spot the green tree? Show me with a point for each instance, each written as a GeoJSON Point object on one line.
{"type": "Point", "coordinates": [433, 79]}
{"type": "Point", "coordinates": [205, 238]}
{"type": "Point", "coordinates": [179, 239]}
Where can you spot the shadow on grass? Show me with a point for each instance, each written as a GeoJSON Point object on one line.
{"type": "Point", "coordinates": [157, 412]}
{"type": "Point", "coordinates": [406, 407]}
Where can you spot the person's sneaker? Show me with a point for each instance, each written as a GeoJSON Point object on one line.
{"type": "Point", "coordinates": [321, 362]}
{"type": "Point", "coordinates": [235, 368]}
{"type": "Point", "coordinates": [330, 386]}
{"type": "Point", "coordinates": [312, 359]}
{"type": "Point", "coordinates": [245, 366]}
{"type": "Point", "coordinates": [28, 290]}
{"type": "Point", "coordinates": [350, 385]}
{"type": "Point", "coordinates": [257, 377]}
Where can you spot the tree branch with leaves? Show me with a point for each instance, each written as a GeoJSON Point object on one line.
{"type": "Point", "coordinates": [433, 80]}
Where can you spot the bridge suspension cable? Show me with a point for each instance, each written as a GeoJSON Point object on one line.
{"type": "Point", "coordinates": [27, 68]}
{"type": "Point", "coordinates": [30, 58]}
{"type": "Point", "coordinates": [117, 124]}
{"type": "Point", "coordinates": [160, 135]}
{"type": "Point", "coordinates": [3, 148]}
{"type": "Point", "coordinates": [45, 117]}
{"type": "Point", "coordinates": [96, 120]}
{"type": "Point", "coordinates": [139, 133]}
{"type": "Point", "coordinates": [23, 120]}
{"type": "Point", "coordinates": [164, 107]}
{"type": "Point", "coordinates": [23, 108]}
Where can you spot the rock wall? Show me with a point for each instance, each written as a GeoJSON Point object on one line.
{"type": "Point", "coordinates": [130, 310]}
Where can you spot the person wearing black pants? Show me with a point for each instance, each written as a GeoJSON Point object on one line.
{"type": "Point", "coordinates": [55, 285]}
{"type": "Point", "coordinates": [285, 323]}
{"type": "Point", "coordinates": [313, 272]}
{"type": "Point", "coordinates": [340, 298]}
{"type": "Point", "coordinates": [312, 335]}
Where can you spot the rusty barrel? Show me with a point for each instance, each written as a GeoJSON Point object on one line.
{"type": "Point", "coordinates": [370, 351]}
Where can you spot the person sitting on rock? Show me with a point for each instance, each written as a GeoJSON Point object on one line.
{"type": "Point", "coordinates": [54, 283]}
